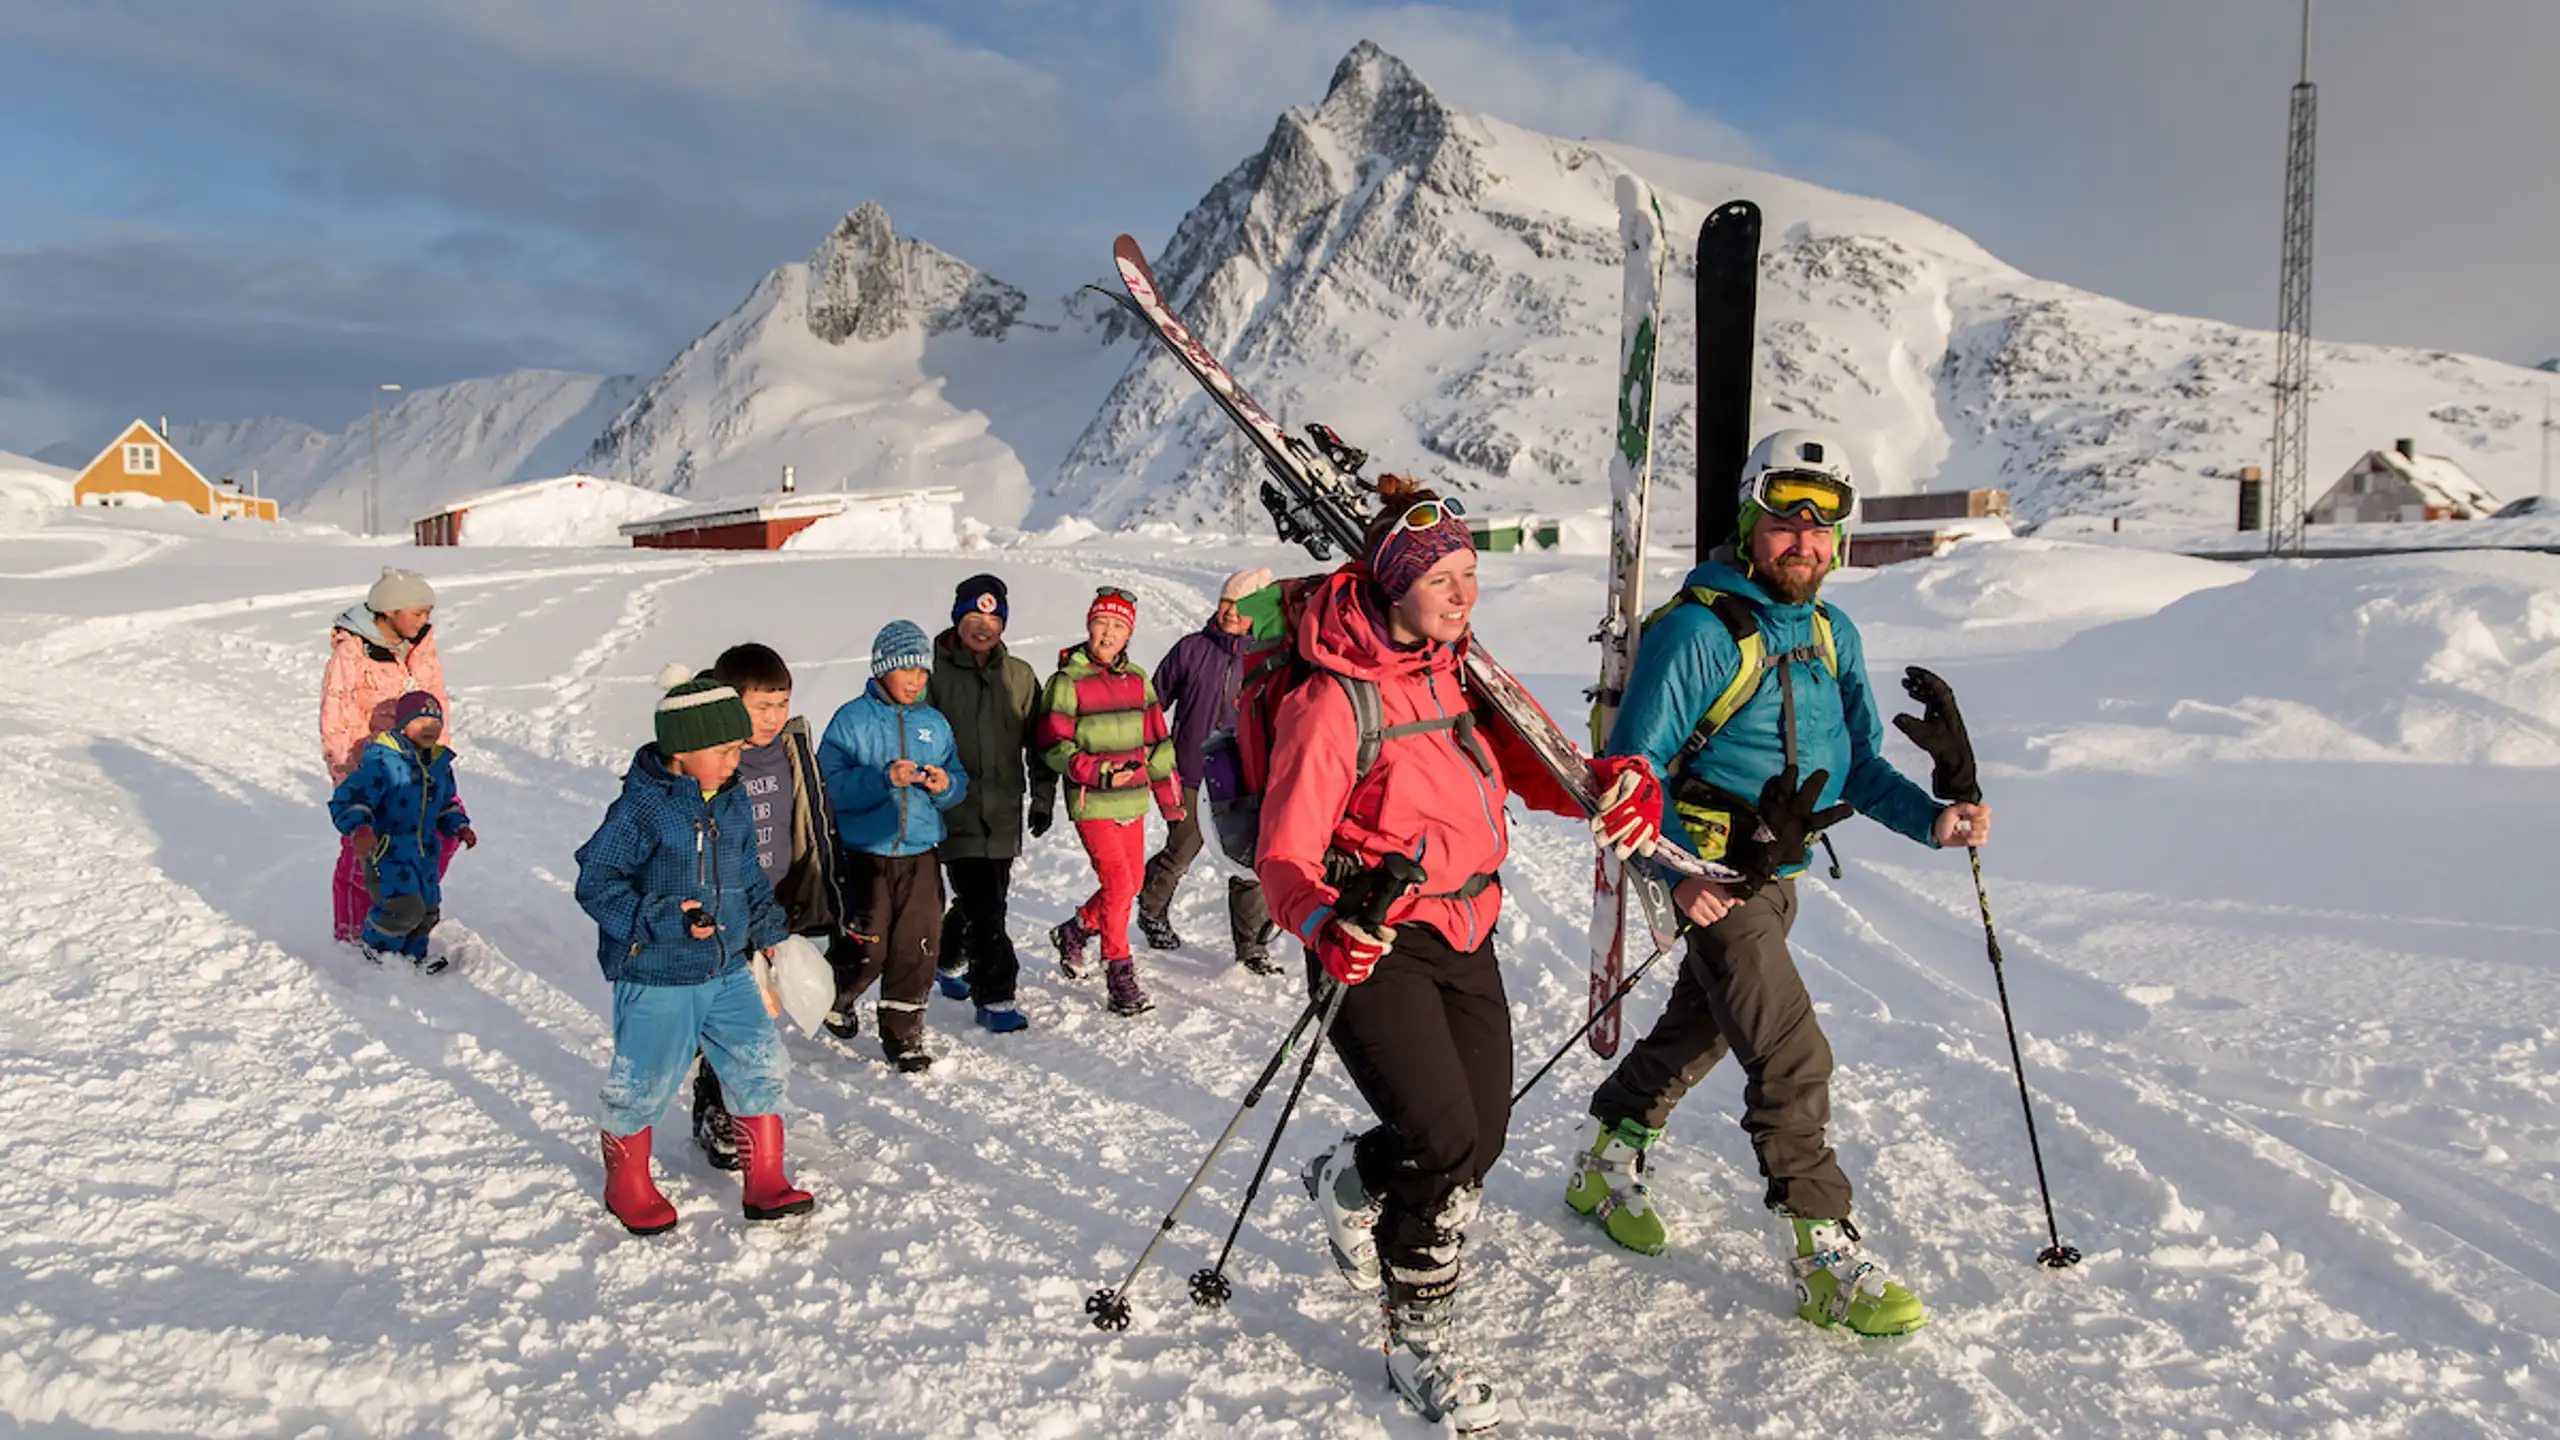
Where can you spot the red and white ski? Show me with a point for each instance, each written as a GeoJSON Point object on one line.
{"type": "Point", "coordinates": [1313, 502]}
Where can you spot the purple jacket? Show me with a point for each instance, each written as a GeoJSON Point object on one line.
{"type": "Point", "coordinates": [1196, 684]}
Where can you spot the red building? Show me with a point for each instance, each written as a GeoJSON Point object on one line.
{"type": "Point", "coordinates": [753, 523]}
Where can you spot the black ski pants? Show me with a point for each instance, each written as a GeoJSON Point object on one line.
{"type": "Point", "coordinates": [973, 929]}
{"type": "Point", "coordinates": [897, 926]}
{"type": "Point", "coordinates": [1738, 990]}
{"type": "Point", "coordinates": [1248, 916]}
{"type": "Point", "coordinates": [1427, 1039]}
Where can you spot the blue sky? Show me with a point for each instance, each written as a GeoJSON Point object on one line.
{"type": "Point", "coordinates": [269, 206]}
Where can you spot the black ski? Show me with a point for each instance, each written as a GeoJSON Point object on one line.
{"type": "Point", "coordinates": [1728, 306]}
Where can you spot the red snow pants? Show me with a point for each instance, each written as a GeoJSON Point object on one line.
{"type": "Point", "coordinates": [1119, 851]}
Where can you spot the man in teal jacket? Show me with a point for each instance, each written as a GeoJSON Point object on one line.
{"type": "Point", "coordinates": [1750, 698]}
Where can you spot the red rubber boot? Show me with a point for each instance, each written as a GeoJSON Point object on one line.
{"type": "Point", "coordinates": [767, 1195]}
{"type": "Point", "coordinates": [629, 1192]}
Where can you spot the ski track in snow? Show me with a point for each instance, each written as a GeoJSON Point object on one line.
{"type": "Point", "coordinates": [255, 1186]}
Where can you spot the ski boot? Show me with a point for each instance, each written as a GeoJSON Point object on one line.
{"type": "Point", "coordinates": [1836, 1284]}
{"type": "Point", "coordinates": [628, 1191]}
{"type": "Point", "coordinates": [1608, 1186]}
{"type": "Point", "coordinates": [1350, 1213]}
{"type": "Point", "coordinates": [1159, 931]}
{"type": "Point", "coordinates": [1422, 1365]}
{"type": "Point", "coordinates": [766, 1195]}
{"type": "Point", "coordinates": [1121, 976]}
{"type": "Point", "coordinates": [713, 1130]}
{"type": "Point", "coordinates": [1071, 936]}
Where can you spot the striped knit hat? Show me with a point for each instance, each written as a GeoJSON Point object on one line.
{"type": "Point", "coordinates": [1403, 555]}
{"type": "Point", "coordinates": [698, 713]}
{"type": "Point", "coordinates": [900, 645]}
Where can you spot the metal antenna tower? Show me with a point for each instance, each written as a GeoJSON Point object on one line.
{"type": "Point", "coordinates": [2290, 472]}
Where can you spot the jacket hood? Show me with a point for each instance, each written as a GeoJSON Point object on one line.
{"type": "Point", "coordinates": [395, 740]}
{"type": "Point", "coordinates": [1232, 644]}
{"type": "Point", "coordinates": [1339, 629]}
{"type": "Point", "coordinates": [1075, 661]}
{"type": "Point", "coordinates": [649, 771]}
{"type": "Point", "coordinates": [1721, 575]}
{"type": "Point", "coordinates": [359, 621]}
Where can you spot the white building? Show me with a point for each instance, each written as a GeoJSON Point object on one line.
{"type": "Point", "coordinates": [2401, 484]}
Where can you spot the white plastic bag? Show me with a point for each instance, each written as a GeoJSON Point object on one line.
{"type": "Point", "coordinates": [805, 982]}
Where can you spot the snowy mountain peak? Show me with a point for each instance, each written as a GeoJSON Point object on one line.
{"type": "Point", "coordinates": [866, 283]}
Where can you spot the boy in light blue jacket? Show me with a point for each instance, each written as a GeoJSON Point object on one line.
{"type": "Point", "coordinates": [891, 768]}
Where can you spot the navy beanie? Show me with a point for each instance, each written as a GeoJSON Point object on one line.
{"type": "Point", "coordinates": [981, 594]}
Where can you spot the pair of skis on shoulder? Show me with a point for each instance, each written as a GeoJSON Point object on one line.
{"type": "Point", "coordinates": [1728, 272]}
{"type": "Point", "coordinates": [1316, 499]}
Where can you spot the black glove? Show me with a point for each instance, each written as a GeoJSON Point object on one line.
{"type": "Point", "coordinates": [1042, 817]}
{"type": "Point", "coordinates": [1939, 730]}
{"type": "Point", "coordinates": [1789, 822]}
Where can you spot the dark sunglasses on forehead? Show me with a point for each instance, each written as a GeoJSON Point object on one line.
{"type": "Point", "coordinates": [1115, 592]}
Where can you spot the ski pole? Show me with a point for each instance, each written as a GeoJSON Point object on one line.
{"type": "Point", "coordinates": [2056, 1256]}
{"type": "Point", "coordinates": [1110, 1308]}
{"type": "Point", "coordinates": [1576, 1038]}
{"type": "Point", "coordinates": [1210, 1288]}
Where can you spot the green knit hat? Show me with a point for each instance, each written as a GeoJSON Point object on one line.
{"type": "Point", "coordinates": [699, 713]}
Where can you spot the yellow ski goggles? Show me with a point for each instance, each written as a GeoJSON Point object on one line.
{"type": "Point", "coordinates": [1799, 492]}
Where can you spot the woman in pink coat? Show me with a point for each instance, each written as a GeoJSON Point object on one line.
{"type": "Point", "coordinates": [380, 650]}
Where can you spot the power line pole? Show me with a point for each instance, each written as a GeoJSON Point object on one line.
{"type": "Point", "coordinates": [2290, 473]}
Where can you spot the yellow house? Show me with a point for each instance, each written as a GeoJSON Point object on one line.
{"type": "Point", "coordinates": [139, 462]}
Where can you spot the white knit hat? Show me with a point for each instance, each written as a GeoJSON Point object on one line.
{"type": "Point", "coordinates": [399, 590]}
{"type": "Point", "coordinates": [1243, 583]}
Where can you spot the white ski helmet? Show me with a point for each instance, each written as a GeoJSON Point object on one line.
{"type": "Point", "coordinates": [1821, 466]}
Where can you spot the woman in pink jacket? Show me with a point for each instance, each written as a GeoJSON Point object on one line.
{"type": "Point", "coordinates": [380, 650]}
{"type": "Point", "coordinates": [1424, 1028]}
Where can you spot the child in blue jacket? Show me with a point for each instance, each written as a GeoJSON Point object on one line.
{"type": "Point", "coordinates": [681, 907]}
{"type": "Point", "coordinates": [891, 768]}
{"type": "Point", "coordinates": [398, 805]}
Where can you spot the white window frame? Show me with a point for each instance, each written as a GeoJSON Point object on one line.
{"type": "Point", "coordinates": [141, 459]}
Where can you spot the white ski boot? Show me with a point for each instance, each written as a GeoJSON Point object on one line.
{"type": "Point", "coordinates": [1422, 1364]}
{"type": "Point", "coordinates": [1350, 1212]}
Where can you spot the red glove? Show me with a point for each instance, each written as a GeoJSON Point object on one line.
{"type": "Point", "coordinates": [469, 837]}
{"type": "Point", "coordinates": [1629, 822]}
{"type": "Point", "coordinates": [1349, 952]}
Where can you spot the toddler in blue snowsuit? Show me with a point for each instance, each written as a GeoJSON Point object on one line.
{"type": "Point", "coordinates": [682, 911]}
{"type": "Point", "coordinates": [398, 804]}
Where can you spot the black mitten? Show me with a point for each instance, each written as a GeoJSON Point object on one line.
{"type": "Point", "coordinates": [1789, 821]}
{"type": "Point", "coordinates": [1939, 730]}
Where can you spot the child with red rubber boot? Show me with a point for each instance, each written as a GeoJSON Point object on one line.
{"type": "Point", "coordinates": [681, 906]}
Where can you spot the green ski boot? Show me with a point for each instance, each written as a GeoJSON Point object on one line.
{"type": "Point", "coordinates": [1837, 1284]}
{"type": "Point", "coordinates": [1608, 1185]}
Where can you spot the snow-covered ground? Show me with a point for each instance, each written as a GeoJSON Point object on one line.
{"type": "Point", "coordinates": [2271, 871]}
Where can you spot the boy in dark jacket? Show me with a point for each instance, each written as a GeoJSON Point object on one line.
{"type": "Point", "coordinates": [398, 806]}
{"type": "Point", "coordinates": [795, 839]}
{"type": "Point", "coordinates": [681, 905]}
{"type": "Point", "coordinates": [992, 700]}
{"type": "Point", "coordinates": [891, 770]}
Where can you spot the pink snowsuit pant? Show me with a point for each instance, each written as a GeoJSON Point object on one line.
{"type": "Point", "coordinates": [349, 900]}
